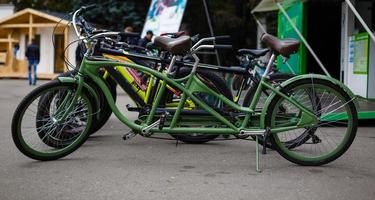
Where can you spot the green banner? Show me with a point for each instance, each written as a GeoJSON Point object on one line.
{"type": "Point", "coordinates": [297, 62]}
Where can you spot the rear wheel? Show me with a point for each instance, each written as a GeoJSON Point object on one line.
{"type": "Point", "coordinates": [334, 133]}
{"type": "Point", "coordinates": [217, 84]}
{"type": "Point", "coordinates": [275, 79]}
{"type": "Point", "coordinates": [51, 137]}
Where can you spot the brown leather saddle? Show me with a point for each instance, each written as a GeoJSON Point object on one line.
{"type": "Point", "coordinates": [176, 46]}
{"type": "Point", "coordinates": [285, 47]}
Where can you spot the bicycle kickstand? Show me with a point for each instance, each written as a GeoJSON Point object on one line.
{"type": "Point", "coordinates": [257, 154]}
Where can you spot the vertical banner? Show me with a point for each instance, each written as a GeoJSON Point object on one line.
{"type": "Point", "coordinates": [164, 16]}
{"type": "Point", "coordinates": [297, 62]}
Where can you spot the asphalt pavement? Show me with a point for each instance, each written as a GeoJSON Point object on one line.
{"type": "Point", "coordinates": [106, 167]}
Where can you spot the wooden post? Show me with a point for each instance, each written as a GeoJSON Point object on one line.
{"type": "Point", "coordinates": [66, 43]}
{"type": "Point", "coordinates": [10, 53]}
{"type": "Point", "coordinates": [31, 19]}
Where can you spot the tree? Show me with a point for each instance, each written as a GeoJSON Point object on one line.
{"type": "Point", "coordinates": [113, 15]}
{"type": "Point", "coordinates": [52, 5]}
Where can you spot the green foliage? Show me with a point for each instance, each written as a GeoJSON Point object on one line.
{"type": "Point", "coordinates": [115, 15]}
{"type": "Point", "coordinates": [53, 5]}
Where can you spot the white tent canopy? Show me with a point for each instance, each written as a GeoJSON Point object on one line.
{"type": "Point", "coordinates": [271, 5]}
{"type": "Point", "coordinates": [274, 5]}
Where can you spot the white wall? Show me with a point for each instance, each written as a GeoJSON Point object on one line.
{"type": "Point", "coordinates": [72, 47]}
{"type": "Point", "coordinates": [47, 57]}
{"type": "Point", "coordinates": [47, 51]}
{"type": "Point", "coordinates": [6, 10]}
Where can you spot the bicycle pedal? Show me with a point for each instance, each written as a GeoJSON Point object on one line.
{"type": "Point", "coordinates": [244, 133]}
{"type": "Point", "coordinates": [132, 109]}
{"type": "Point", "coordinates": [129, 135]}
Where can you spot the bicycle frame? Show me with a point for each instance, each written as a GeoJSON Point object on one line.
{"type": "Point", "coordinates": [140, 94]}
{"type": "Point", "coordinates": [90, 67]}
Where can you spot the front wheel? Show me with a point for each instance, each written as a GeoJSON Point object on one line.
{"type": "Point", "coordinates": [50, 137]}
{"type": "Point", "coordinates": [332, 135]}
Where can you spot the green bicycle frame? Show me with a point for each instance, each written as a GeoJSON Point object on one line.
{"type": "Point", "coordinates": [193, 84]}
{"type": "Point", "coordinates": [144, 95]}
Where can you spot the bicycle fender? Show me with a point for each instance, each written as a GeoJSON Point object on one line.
{"type": "Point", "coordinates": [86, 86]}
{"type": "Point", "coordinates": [301, 77]}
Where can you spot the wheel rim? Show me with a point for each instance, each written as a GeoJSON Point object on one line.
{"type": "Point", "coordinates": [29, 131]}
{"type": "Point", "coordinates": [329, 136]}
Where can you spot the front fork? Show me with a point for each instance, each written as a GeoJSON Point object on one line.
{"type": "Point", "coordinates": [69, 109]}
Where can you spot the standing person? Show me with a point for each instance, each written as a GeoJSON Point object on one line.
{"type": "Point", "coordinates": [143, 42]}
{"type": "Point", "coordinates": [33, 56]}
{"type": "Point", "coordinates": [130, 40]}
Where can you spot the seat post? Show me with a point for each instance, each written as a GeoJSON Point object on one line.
{"type": "Point", "coordinates": [173, 61]}
{"type": "Point", "coordinates": [196, 62]}
{"type": "Point", "coordinates": [272, 59]}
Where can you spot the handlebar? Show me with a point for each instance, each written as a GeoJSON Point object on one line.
{"type": "Point", "coordinates": [222, 37]}
{"type": "Point", "coordinates": [222, 46]}
{"type": "Point", "coordinates": [128, 34]}
{"type": "Point", "coordinates": [88, 7]}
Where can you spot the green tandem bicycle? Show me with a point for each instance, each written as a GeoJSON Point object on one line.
{"type": "Point", "coordinates": [308, 104]}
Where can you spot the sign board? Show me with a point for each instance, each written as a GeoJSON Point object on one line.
{"type": "Point", "coordinates": [297, 62]}
{"type": "Point", "coordinates": [358, 64]}
{"type": "Point", "coordinates": [164, 16]}
{"type": "Point", "coordinates": [361, 53]}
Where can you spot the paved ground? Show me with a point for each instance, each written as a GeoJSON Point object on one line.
{"type": "Point", "coordinates": [107, 167]}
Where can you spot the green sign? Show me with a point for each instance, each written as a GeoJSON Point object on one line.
{"type": "Point", "coordinates": [361, 53]}
{"type": "Point", "coordinates": [297, 62]}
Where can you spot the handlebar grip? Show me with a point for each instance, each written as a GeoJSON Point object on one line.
{"type": "Point", "coordinates": [222, 46]}
{"type": "Point", "coordinates": [124, 34]}
{"type": "Point", "coordinates": [85, 8]}
{"type": "Point", "coordinates": [222, 37]}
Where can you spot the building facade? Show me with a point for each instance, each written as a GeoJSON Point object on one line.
{"type": "Point", "coordinates": [51, 32]}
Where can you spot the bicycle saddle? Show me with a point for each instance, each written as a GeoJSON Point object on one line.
{"type": "Point", "coordinates": [285, 47]}
{"type": "Point", "coordinates": [177, 46]}
{"type": "Point", "coordinates": [253, 52]}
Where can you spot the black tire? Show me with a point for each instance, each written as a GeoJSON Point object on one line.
{"type": "Point", "coordinates": [17, 133]}
{"type": "Point", "coordinates": [105, 110]}
{"type": "Point", "coordinates": [340, 149]}
{"type": "Point", "coordinates": [216, 83]}
{"type": "Point", "coordinates": [273, 78]}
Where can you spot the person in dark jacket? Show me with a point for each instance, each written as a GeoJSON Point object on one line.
{"type": "Point", "coordinates": [144, 41]}
{"type": "Point", "coordinates": [33, 56]}
{"type": "Point", "coordinates": [130, 40]}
